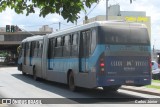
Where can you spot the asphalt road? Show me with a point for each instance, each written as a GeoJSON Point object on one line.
{"type": "Point", "coordinates": [15, 85]}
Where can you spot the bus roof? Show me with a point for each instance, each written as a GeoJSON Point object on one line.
{"type": "Point", "coordinates": [33, 38]}
{"type": "Point", "coordinates": [98, 23]}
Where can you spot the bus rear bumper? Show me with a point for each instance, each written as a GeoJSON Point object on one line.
{"type": "Point", "coordinates": [131, 81]}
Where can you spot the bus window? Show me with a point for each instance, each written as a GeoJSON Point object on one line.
{"type": "Point", "coordinates": [88, 34]}
{"type": "Point", "coordinates": [58, 47]}
{"type": "Point", "coordinates": [37, 44]}
{"type": "Point", "coordinates": [40, 49]}
{"type": "Point", "coordinates": [51, 48]}
{"type": "Point", "coordinates": [33, 45]}
{"type": "Point", "coordinates": [74, 44]}
{"type": "Point", "coordinates": [66, 47]}
{"type": "Point", "coordinates": [115, 35]}
{"type": "Point", "coordinates": [53, 44]}
{"type": "Point", "coordinates": [26, 48]}
{"type": "Point", "coordinates": [93, 40]}
{"type": "Point", "coordinates": [66, 40]}
{"type": "Point", "coordinates": [75, 39]}
{"type": "Point", "coordinates": [27, 45]}
{"type": "Point", "coordinates": [59, 42]}
{"type": "Point", "coordinates": [36, 49]}
{"type": "Point", "coordinates": [63, 41]}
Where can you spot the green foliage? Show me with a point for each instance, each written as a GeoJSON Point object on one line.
{"type": "Point", "coordinates": [3, 54]}
{"type": "Point", "coordinates": [156, 81]}
{"type": "Point", "coordinates": [68, 9]}
{"type": "Point", "coordinates": [153, 86]}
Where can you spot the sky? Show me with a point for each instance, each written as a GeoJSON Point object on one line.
{"type": "Point", "coordinates": [34, 22]}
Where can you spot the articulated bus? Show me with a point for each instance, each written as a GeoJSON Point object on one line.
{"type": "Point", "coordinates": [99, 54]}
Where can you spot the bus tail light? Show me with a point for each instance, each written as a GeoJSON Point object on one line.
{"type": "Point", "coordinates": [102, 64]}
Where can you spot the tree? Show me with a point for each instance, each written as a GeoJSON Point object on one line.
{"type": "Point", "coordinates": [68, 9]}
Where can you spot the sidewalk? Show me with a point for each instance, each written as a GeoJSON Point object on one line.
{"type": "Point", "coordinates": [156, 84]}
{"type": "Point", "coordinates": [144, 90]}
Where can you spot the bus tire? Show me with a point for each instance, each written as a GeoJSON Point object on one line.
{"type": "Point", "coordinates": [34, 74]}
{"type": "Point", "coordinates": [71, 82]}
{"type": "Point", "coordinates": [111, 88]}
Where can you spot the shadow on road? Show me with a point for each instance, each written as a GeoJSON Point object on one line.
{"type": "Point", "coordinates": [82, 96]}
{"type": "Point", "coordinates": [1, 65]}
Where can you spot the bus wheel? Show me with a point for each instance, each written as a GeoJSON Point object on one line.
{"type": "Point", "coordinates": [34, 74]}
{"type": "Point", "coordinates": [111, 88]}
{"type": "Point", "coordinates": [71, 84]}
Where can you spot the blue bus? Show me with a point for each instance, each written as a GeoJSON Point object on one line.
{"type": "Point", "coordinates": [100, 54]}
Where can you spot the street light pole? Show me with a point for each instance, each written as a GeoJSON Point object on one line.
{"type": "Point", "coordinates": [59, 25]}
{"type": "Point", "coordinates": [107, 9]}
{"type": "Point", "coordinates": [154, 45]}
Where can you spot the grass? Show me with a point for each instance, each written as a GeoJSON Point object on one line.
{"type": "Point", "coordinates": [156, 81]}
{"type": "Point", "coordinates": [153, 86]}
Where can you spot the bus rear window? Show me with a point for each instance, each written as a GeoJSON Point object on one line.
{"type": "Point", "coordinates": [124, 36]}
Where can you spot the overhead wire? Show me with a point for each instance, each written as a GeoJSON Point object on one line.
{"type": "Point", "coordinates": [90, 11]}
{"type": "Point", "coordinates": [93, 8]}
{"type": "Point", "coordinates": [37, 25]}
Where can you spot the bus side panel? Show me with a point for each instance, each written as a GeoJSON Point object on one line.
{"type": "Point", "coordinates": [56, 70]}
{"type": "Point", "coordinates": [60, 67]}
{"type": "Point", "coordinates": [27, 69]}
{"type": "Point", "coordinates": [86, 80]}
{"type": "Point", "coordinates": [57, 76]}
{"type": "Point", "coordinates": [37, 66]}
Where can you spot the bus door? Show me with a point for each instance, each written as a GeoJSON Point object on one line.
{"type": "Point", "coordinates": [44, 57]}
{"type": "Point", "coordinates": [84, 51]}
{"type": "Point", "coordinates": [39, 56]}
{"type": "Point", "coordinates": [25, 53]}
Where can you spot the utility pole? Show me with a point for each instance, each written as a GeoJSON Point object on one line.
{"type": "Point", "coordinates": [154, 45]}
{"type": "Point", "coordinates": [76, 22]}
{"type": "Point", "coordinates": [59, 25]}
{"type": "Point", "coordinates": [107, 9]}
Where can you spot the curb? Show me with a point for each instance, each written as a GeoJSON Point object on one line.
{"type": "Point", "coordinates": [141, 90]}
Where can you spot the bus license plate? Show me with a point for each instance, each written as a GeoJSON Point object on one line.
{"type": "Point", "coordinates": [129, 81]}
